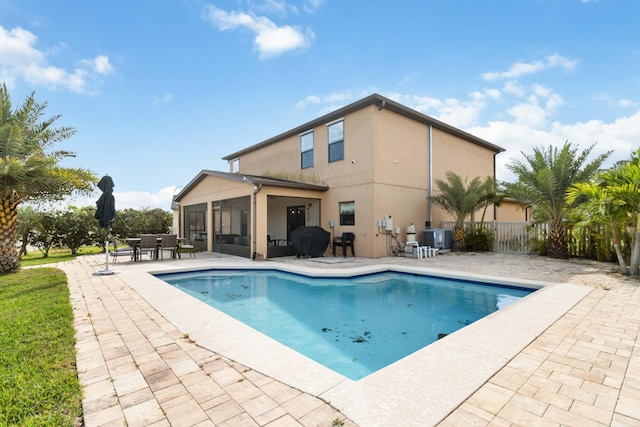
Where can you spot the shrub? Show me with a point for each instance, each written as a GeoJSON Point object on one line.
{"type": "Point", "coordinates": [479, 240]}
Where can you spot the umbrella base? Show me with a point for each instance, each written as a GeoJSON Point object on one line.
{"type": "Point", "coordinates": [105, 272]}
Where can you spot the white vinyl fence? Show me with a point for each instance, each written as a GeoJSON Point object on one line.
{"type": "Point", "coordinates": [514, 237]}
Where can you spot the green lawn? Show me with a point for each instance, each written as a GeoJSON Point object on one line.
{"type": "Point", "coordinates": [39, 383]}
{"type": "Point", "coordinates": [35, 257]}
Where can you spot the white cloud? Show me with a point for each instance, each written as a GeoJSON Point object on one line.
{"type": "Point", "coordinates": [309, 100]}
{"type": "Point", "coordinates": [131, 200]}
{"type": "Point", "coordinates": [514, 88]}
{"type": "Point", "coordinates": [620, 135]}
{"type": "Point", "coordinates": [339, 96]}
{"type": "Point", "coordinates": [102, 65]}
{"type": "Point", "coordinates": [626, 103]}
{"type": "Point", "coordinates": [270, 40]}
{"type": "Point", "coordinates": [20, 59]}
{"type": "Point", "coordinates": [140, 199]}
{"type": "Point", "coordinates": [520, 69]}
{"type": "Point", "coordinates": [333, 100]}
{"type": "Point", "coordinates": [530, 114]}
{"type": "Point", "coordinates": [459, 113]}
{"type": "Point", "coordinates": [312, 5]}
{"type": "Point", "coordinates": [164, 99]}
{"type": "Point", "coordinates": [277, 7]}
{"type": "Point", "coordinates": [492, 93]}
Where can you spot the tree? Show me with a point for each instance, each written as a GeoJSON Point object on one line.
{"type": "Point", "coordinates": [460, 200]}
{"type": "Point", "coordinates": [77, 227]}
{"type": "Point", "coordinates": [27, 222]}
{"type": "Point", "coordinates": [613, 198]}
{"type": "Point", "coordinates": [46, 233]}
{"type": "Point", "coordinates": [492, 194]}
{"type": "Point", "coordinates": [131, 222]}
{"type": "Point", "coordinates": [543, 180]}
{"type": "Point", "coordinates": [28, 170]}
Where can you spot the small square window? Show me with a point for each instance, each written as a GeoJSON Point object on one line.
{"type": "Point", "coordinates": [235, 165]}
{"type": "Point", "coordinates": [348, 213]}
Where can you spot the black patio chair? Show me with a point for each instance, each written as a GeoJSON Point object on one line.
{"type": "Point", "coordinates": [344, 241]}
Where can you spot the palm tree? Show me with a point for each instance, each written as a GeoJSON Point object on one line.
{"type": "Point", "coordinates": [28, 171]}
{"type": "Point", "coordinates": [601, 208]}
{"type": "Point", "coordinates": [543, 180]}
{"type": "Point", "coordinates": [461, 200]}
{"type": "Point", "coordinates": [614, 198]}
{"type": "Point", "coordinates": [492, 195]}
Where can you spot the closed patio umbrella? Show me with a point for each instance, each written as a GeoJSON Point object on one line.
{"type": "Point", "coordinates": [106, 213]}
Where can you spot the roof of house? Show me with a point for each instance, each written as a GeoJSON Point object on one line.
{"type": "Point", "coordinates": [381, 102]}
{"type": "Point", "coordinates": [249, 179]}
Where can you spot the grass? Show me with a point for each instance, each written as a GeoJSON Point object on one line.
{"type": "Point", "coordinates": [35, 257]}
{"type": "Point", "coordinates": [39, 383]}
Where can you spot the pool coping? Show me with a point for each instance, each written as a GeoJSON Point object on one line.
{"type": "Point", "coordinates": [407, 392]}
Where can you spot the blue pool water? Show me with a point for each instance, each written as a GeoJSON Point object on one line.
{"type": "Point", "coordinates": [354, 326]}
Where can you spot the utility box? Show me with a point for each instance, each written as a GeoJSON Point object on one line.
{"type": "Point", "coordinates": [388, 223]}
{"type": "Point", "coordinates": [439, 238]}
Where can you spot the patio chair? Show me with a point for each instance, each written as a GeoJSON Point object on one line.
{"type": "Point", "coordinates": [148, 244]}
{"type": "Point", "coordinates": [345, 240]}
{"type": "Point", "coordinates": [116, 252]}
{"type": "Point", "coordinates": [168, 242]}
{"type": "Point", "coordinates": [190, 245]}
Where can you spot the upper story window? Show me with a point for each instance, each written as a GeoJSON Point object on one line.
{"type": "Point", "coordinates": [347, 213]}
{"type": "Point", "coordinates": [306, 150]}
{"type": "Point", "coordinates": [336, 141]}
{"type": "Point", "coordinates": [235, 165]}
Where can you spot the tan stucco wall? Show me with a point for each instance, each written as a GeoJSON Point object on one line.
{"type": "Point", "coordinates": [385, 171]}
{"type": "Point", "coordinates": [463, 158]}
{"type": "Point", "coordinates": [511, 211]}
{"type": "Point", "coordinates": [401, 148]}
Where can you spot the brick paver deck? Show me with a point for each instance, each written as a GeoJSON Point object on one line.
{"type": "Point", "coordinates": [583, 371]}
{"type": "Point", "coordinates": [137, 369]}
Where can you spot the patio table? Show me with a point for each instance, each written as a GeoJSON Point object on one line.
{"type": "Point", "coordinates": [134, 242]}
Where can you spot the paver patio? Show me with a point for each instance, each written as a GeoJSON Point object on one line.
{"type": "Point", "coordinates": [138, 369]}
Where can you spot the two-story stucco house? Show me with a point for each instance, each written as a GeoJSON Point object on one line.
{"type": "Point", "coordinates": [367, 168]}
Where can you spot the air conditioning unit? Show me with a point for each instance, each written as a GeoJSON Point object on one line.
{"type": "Point", "coordinates": [439, 238]}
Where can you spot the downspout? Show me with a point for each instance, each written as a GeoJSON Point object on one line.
{"type": "Point", "coordinates": [430, 178]}
{"type": "Point", "coordinates": [495, 181]}
{"type": "Point", "coordinates": [254, 218]}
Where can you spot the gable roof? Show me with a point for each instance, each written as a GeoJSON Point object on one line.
{"type": "Point", "coordinates": [381, 102]}
{"type": "Point", "coordinates": [249, 179]}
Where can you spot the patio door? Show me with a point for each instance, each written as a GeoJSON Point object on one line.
{"type": "Point", "coordinates": [296, 217]}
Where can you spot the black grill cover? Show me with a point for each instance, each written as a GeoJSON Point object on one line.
{"type": "Point", "coordinates": [310, 241]}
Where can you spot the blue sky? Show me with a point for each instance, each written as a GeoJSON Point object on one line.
{"type": "Point", "coordinates": [159, 90]}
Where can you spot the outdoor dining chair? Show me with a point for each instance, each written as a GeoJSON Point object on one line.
{"type": "Point", "coordinates": [148, 244]}
{"type": "Point", "coordinates": [169, 242]}
{"type": "Point", "coordinates": [344, 241]}
{"type": "Point", "coordinates": [190, 245]}
{"type": "Point", "coordinates": [116, 252]}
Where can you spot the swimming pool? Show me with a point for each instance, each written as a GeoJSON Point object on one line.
{"type": "Point", "coordinates": [353, 325]}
